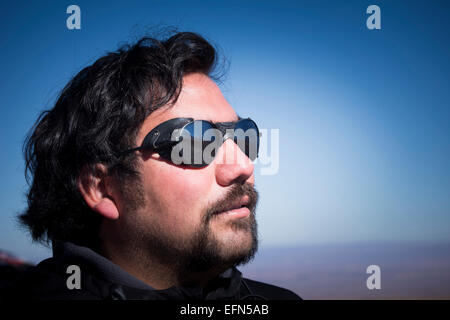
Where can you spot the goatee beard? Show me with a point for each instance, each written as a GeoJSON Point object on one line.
{"type": "Point", "coordinates": [205, 250]}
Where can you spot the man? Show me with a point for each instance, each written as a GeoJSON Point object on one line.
{"type": "Point", "coordinates": [132, 218]}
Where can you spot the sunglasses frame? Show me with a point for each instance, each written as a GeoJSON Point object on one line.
{"type": "Point", "coordinates": [160, 137]}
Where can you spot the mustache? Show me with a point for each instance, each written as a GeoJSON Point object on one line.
{"type": "Point", "coordinates": [236, 192]}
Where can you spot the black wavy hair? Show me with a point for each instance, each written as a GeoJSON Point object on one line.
{"type": "Point", "coordinates": [97, 115]}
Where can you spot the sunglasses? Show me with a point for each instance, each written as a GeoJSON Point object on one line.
{"type": "Point", "coordinates": [185, 141]}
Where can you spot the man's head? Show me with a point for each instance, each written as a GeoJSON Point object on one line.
{"type": "Point", "coordinates": [86, 192]}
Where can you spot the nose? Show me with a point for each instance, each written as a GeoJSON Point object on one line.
{"type": "Point", "coordinates": [232, 165]}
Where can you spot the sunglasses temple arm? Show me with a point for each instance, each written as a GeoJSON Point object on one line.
{"type": "Point", "coordinates": [129, 151]}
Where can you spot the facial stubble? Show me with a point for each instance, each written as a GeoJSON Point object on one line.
{"type": "Point", "coordinates": [203, 251]}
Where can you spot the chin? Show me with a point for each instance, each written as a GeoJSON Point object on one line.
{"type": "Point", "coordinates": [238, 249]}
{"type": "Point", "coordinates": [218, 247]}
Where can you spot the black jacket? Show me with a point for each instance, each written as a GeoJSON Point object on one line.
{"type": "Point", "coordinates": [101, 279]}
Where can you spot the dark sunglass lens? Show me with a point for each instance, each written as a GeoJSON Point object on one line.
{"type": "Point", "coordinates": [246, 136]}
{"type": "Point", "coordinates": [197, 129]}
{"type": "Point", "coordinates": [201, 134]}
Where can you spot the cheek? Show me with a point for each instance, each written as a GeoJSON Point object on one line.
{"type": "Point", "coordinates": [182, 194]}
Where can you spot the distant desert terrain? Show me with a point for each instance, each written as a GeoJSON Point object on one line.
{"type": "Point", "coordinates": [408, 271]}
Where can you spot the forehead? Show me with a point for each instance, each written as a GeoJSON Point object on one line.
{"type": "Point", "coordinates": [200, 98]}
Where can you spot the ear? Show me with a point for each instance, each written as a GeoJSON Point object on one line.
{"type": "Point", "coordinates": [97, 190]}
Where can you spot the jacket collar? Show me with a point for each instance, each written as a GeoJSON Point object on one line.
{"type": "Point", "coordinates": [123, 285]}
{"type": "Point", "coordinates": [98, 265]}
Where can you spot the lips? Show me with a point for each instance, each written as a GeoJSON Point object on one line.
{"type": "Point", "coordinates": [243, 202]}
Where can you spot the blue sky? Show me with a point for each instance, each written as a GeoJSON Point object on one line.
{"type": "Point", "coordinates": [363, 114]}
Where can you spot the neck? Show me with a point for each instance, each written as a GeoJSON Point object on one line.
{"type": "Point", "coordinates": [157, 274]}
